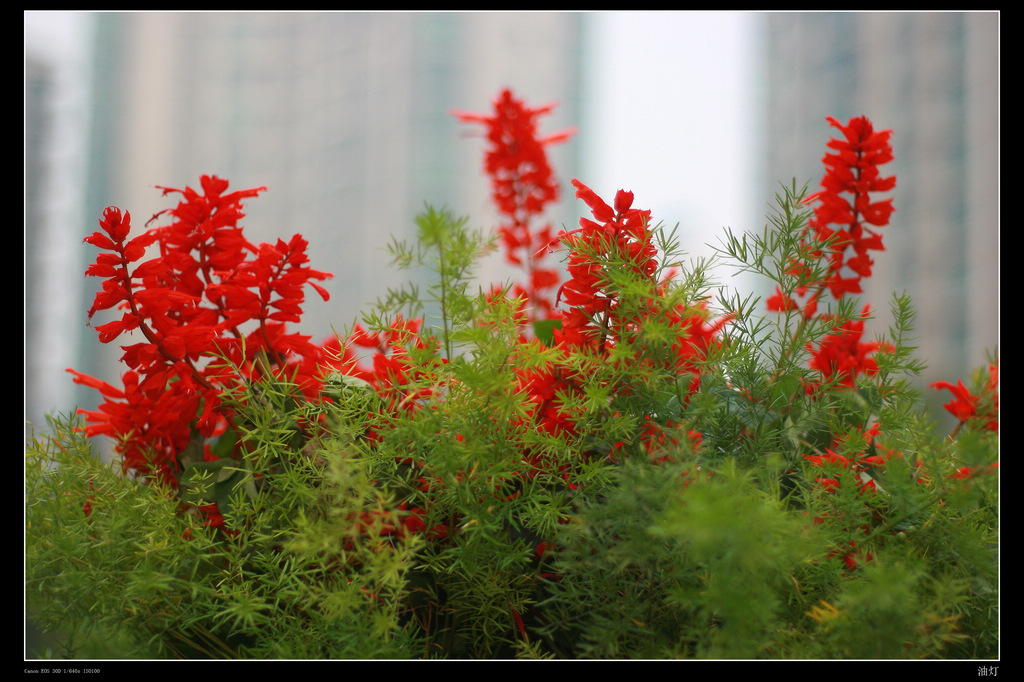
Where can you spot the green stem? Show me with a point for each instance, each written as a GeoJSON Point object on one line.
{"type": "Point", "coordinates": [444, 303]}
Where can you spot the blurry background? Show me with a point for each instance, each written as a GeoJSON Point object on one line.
{"type": "Point", "coordinates": [346, 118]}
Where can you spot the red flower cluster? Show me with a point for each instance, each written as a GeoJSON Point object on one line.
{"type": "Point", "coordinates": [860, 454]}
{"type": "Point", "coordinates": [843, 214]}
{"type": "Point", "coordinates": [842, 356]}
{"type": "Point", "coordinates": [522, 185]}
{"type": "Point", "coordinates": [664, 443]}
{"type": "Point", "coordinates": [837, 229]}
{"type": "Point", "coordinates": [864, 455]}
{"type": "Point", "coordinates": [856, 459]}
{"type": "Point", "coordinates": [592, 321]}
{"type": "Point", "coordinates": [622, 230]}
{"type": "Point", "coordinates": [967, 406]}
{"type": "Point", "coordinates": [192, 304]}
{"type": "Point", "coordinates": [391, 372]}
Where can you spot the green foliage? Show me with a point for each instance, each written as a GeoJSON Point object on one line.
{"type": "Point", "coordinates": [402, 524]}
{"type": "Point", "coordinates": [283, 581]}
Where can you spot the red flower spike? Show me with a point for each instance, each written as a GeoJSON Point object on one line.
{"type": "Point", "coordinates": [522, 185]}
{"type": "Point", "coordinates": [843, 207]}
{"type": "Point", "coordinates": [189, 303]}
{"type": "Point", "coordinates": [623, 231]}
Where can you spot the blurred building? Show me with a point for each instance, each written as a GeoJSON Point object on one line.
{"type": "Point", "coordinates": [932, 77]}
{"type": "Point", "coordinates": [56, 76]}
{"type": "Point", "coordinates": [344, 116]}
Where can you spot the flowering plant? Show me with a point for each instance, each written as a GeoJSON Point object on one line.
{"type": "Point", "coordinates": [606, 461]}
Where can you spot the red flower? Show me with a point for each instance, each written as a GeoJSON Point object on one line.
{"type": "Point", "coordinates": [971, 472]}
{"type": "Point", "coordinates": [842, 357]}
{"type": "Point", "coordinates": [840, 232]}
{"type": "Point", "coordinates": [966, 406]}
{"type": "Point", "coordinates": [150, 431]}
{"type": "Point", "coordinates": [851, 558]}
{"type": "Point", "coordinates": [189, 303]}
{"type": "Point", "coordinates": [522, 185]}
{"type": "Point", "coordinates": [623, 231]}
{"type": "Point", "coordinates": [544, 388]}
{"type": "Point", "coordinates": [858, 463]}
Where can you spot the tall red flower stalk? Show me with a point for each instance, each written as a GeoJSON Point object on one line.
{"type": "Point", "coordinates": [522, 186]}
{"type": "Point", "coordinates": [842, 231]}
{"type": "Point", "coordinates": [841, 235]}
{"type": "Point", "coordinates": [212, 310]}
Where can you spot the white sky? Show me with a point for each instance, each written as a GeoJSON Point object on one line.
{"type": "Point", "coordinates": [678, 101]}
